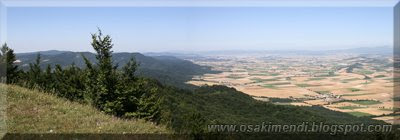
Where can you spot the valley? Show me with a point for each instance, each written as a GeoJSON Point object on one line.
{"type": "Point", "coordinates": [361, 85]}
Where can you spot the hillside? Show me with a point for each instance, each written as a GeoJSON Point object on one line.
{"type": "Point", "coordinates": [224, 105]}
{"type": "Point", "coordinates": [35, 112]}
{"type": "Point", "coordinates": [166, 69]}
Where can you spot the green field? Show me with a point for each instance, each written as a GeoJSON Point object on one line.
{"type": "Point", "coordinates": [269, 86]}
{"type": "Point", "coordinates": [259, 80]}
{"type": "Point", "coordinates": [359, 114]}
{"type": "Point", "coordinates": [273, 85]}
{"type": "Point", "coordinates": [354, 89]}
{"type": "Point", "coordinates": [280, 83]}
{"type": "Point", "coordinates": [304, 85]}
{"type": "Point", "coordinates": [364, 72]}
{"type": "Point", "coordinates": [349, 107]}
{"type": "Point", "coordinates": [366, 102]}
{"type": "Point", "coordinates": [357, 94]}
{"type": "Point", "coordinates": [273, 74]}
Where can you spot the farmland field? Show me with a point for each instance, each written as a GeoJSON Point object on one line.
{"type": "Point", "coordinates": [343, 82]}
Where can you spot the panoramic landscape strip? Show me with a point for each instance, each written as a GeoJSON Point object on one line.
{"type": "Point", "coordinates": [199, 70]}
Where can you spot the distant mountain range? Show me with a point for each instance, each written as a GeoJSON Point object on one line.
{"type": "Point", "coordinates": [167, 69]}
{"type": "Point", "coordinates": [361, 51]}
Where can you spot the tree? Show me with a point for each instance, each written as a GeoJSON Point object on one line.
{"type": "Point", "coordinates": [118, 92]}
{"type": "Point", "coordinates": [148, 102]}
{"type": "Point", "coordinates": [129, 69]}
{"type": "Point", "coordinates": [35, 74]}
{"type": "Point", "coordinates": [48, 79]}
{"type": "Point", "coordinates": [7, 60]}
{"type": "Point", "coordinates": [102, 88]}
{"type": "Point", "coordinates": [69, 82]}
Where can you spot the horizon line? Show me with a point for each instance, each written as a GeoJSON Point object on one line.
{"type": "Point", "coordinates": [197, 51]}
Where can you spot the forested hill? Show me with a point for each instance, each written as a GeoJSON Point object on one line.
{"type": "Point", "coordinates": [167, 69]}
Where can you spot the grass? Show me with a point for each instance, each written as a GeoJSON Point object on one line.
{"type": "Point", "coordinates": [359, 114]}
{"type": "Point", "coordinates": [349, 107]}
{"type": "Point", "coordinates": [366, 102]}
{"type": "Point", "coordinates": [304, 85]}
{"type": "Point", "coordinates": [281, 83]}
{"type": "Point", "coordinates": [269, 86]}
{"type": "Point", "coordinates": [30, 111]}
{"type": "Point", "coordinates": [354, 89]}
{"type": "Point", "coordinates": [364, 72]}
{"type": "Point", "coordinates": [259, 80]}
{"type": "Point", "coordinates": [273, 85]}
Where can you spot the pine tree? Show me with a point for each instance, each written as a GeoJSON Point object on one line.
{"type": "Point", "coordinates": [34, 74]}
{"type": "Point", "coordinates": [129, 69]}
{"type": "Point", "coordinates": [103, 86]}
{"type": "Point", "coordinates": [118, 92]}
{"type": "Point", "coordinates": [7, 59]}
{"type": "Point", "coordinates": [48, 79]}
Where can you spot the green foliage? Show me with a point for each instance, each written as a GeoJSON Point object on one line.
{"type": "Point", "coordinates": [7, 67]}
{"type": "Point", "coordinates": [224, 105]}
{"type": "Point", "coordinates": [119, 92]}
{"type": "Point", "coordinates": [103, 86]}
{"type": "Point", "coordinates": [359, 114]}
{"type": "Point", "coordinates": [350, 68]}
{"type": "Point", "coordinates": [68, 82]}
{"type": "Point", "coordinates": [34, 76]}
{"type": "Point", "coordinates": [115, 91]}
{"type": "Point", "coordinates": [280, 100]}
{"type": "Point", "coordinates": [194, 123]}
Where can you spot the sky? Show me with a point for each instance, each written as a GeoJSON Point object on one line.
{"type": "Point", "coordinates": [169, 29]}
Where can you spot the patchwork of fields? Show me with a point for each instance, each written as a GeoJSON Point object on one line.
{"type": "Point", "coordinates": [361, 85]}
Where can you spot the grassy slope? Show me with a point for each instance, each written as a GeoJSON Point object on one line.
{"type": "Point", "coordinates": [35, 112]}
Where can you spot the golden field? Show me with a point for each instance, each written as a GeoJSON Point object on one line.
{"type": "Point", "coordinates": [359, 85]}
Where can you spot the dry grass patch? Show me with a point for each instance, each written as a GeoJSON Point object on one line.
{"type": "Point", "coordinates": [36, 112]}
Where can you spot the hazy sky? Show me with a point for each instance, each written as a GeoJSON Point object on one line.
{"type": "Point", "coordinates": [155, 29]}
